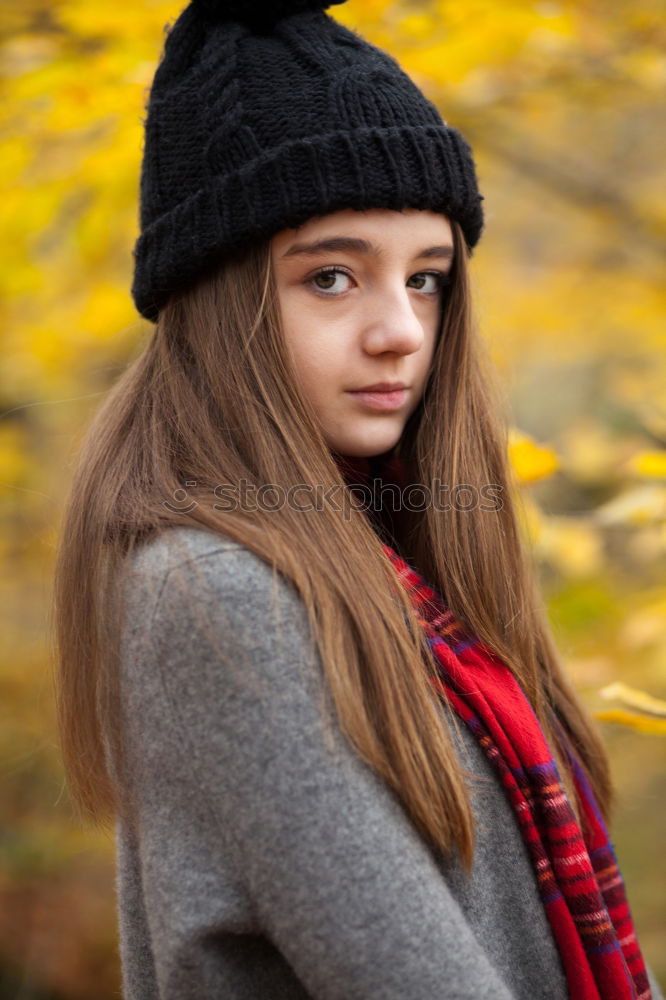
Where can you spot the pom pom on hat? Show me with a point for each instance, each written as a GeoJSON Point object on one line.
{"type": "Point", "coordinates": [255, 12]}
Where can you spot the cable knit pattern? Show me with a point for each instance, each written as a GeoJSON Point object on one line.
{"type": "Point", "coordinates": [256, 124]}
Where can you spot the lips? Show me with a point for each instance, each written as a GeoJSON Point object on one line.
{"type": "Point", "coordinates": [380, 399]}
{"type": "Point", "coordinates": [381, 387]}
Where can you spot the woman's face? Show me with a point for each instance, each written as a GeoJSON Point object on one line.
{"type": "Point", "coordinates": [360, 297]}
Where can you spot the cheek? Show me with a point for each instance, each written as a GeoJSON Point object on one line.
{"type": "Point", "coordinates": [423, 366]}
{"type": "Point", "coordinates": [434, 333]}
{"type": "Point", "coordinates": [309, 369]}
{"type": "Point", "coordinates": [317, 348]}
{"type": "Point", "coordinates": [317, 362]}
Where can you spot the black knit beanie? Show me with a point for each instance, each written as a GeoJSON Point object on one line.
{"type": "Point", "coordinates": [263, 115]}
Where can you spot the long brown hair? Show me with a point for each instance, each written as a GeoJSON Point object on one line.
{"type": "Point", "coordinates": [212, 399]}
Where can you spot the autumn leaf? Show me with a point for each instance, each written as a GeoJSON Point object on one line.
{"type": "Point", "coordinates": [634, 698]}
{"type": "Point", "coordinates": [530, 461]}
{"type": "Point", "coordinates": [650, 464]}
{"type": "Point", "coordinates": [641, 723]}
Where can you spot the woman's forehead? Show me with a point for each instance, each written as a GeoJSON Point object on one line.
{"type": "Point", "coordinates": [379, 225]}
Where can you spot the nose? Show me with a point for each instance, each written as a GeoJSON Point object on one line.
{"type": "Point", "coordinates": [393, 325]}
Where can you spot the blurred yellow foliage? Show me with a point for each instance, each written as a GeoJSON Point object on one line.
{"type": "Point", "coordinates": [561, 104]}
{"type": "Point", "coordinates": [530, 461]}
{"type": "Point", "coordinates": [641, 723]}
{"type": "Point", "coordinates": [572, 545]}
{"type": "Point", "coordinates": [15, 460]}
{"type": "Point", "coordinates": [645, 626]}
{"type": "Point", "coordinates": [651, 464]}
{"type": "Point", "coordinates": [636, 505]}
{"type": "Point", "coordinates": [634, 698]}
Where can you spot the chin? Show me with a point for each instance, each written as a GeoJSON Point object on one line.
{"type": "Point", "coordinates": [356, 446]}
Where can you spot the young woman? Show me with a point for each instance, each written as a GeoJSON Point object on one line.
{"type": "Point", "coordinates": [303, 662]}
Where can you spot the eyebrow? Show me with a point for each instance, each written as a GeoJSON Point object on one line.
{"type": "Point", "coordinates": [353, 244]}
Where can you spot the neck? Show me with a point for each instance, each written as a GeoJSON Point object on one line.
{"type": "Point", "coordinates": [354, 469]}
{"type": "Point", "coordinates": [373, 472]}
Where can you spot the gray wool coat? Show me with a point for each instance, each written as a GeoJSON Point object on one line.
{"type": "Point", "coordinates": [264, 863]}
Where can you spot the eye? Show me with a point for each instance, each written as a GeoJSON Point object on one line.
{"type": "Point", "coordinates": [327, 281]}
{"type": "Point", "coordinates": [441, 280]}
{"type": "Point", "coordinates": [328, 276]}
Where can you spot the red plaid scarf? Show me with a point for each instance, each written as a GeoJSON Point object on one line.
{"type": "Point", "coordinates": [577, 872]}
{"type": "Point", "coordinates": [579, 879]}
